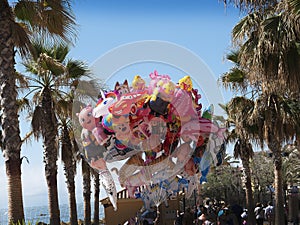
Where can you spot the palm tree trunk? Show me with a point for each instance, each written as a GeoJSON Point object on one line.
{"type": "Point", "coordinates": [275, 146]}
{"type": "Point", "coordinates": [11, 141]}
{"type": "Point", "coordinates": [49, 133]}
{"type": "Point", "coordinates": [96, 197]}
{"type": "Point", "coordinates": [86, 192]}
{"type": "Point", "coordinates": [274, 140]}
{"type": "Point", "coordinates": [249, 194]}
{"type": "Point", "coordinates": [70, 171]}
{"type": "Point", "coordinates": [72, 202]}
{"type": "Point", "coordinates": [13, 171]}
{"type": "Point", "coordinates": [279, 209]}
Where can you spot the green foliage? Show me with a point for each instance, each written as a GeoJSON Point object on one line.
{"type": "Point", "coordinates": [224, 183]}
{"type": "Point", "coordinates": [262, 174]}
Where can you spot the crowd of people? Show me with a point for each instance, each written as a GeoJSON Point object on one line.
{"type": "Point", "coordinates": [217, 213]}
{"type": "Point", "coordinates": [220, 213]}
{"type": "Point", "coordinates": [211, 213]}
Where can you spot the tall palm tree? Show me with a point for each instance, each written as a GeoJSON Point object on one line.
{"type": "Point", "coordinates": [275, 118]}
{"type": "Point", "coordinates": [269, 54]}
{"type": "Point", "coordinates": [68, 144]}
{"type": "Point", "coordinates": [51, 74]}
{"type": "Point", "coordinates": [68, 156]}
{"type": "Point", "coordinates": [17, 23]}
{"type": "Point", "coordinates": [240, 132]}
{"type": "Point", "coordinates": [238, 112]}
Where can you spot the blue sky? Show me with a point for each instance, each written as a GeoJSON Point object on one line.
{"type": "Point", "coordinates": [202, 26]}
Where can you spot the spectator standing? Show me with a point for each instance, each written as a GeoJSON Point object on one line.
{"type": "Point", "coordinates": [179, 218]}
{"type": "Point", "coordinates": [269, 213]}
{"type": "Point", "coordinates": [203, 221]}
{"type": "Point", "coordinates": [259, 214]}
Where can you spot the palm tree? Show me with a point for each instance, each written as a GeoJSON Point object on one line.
{"type": "Point", "coordinates": [269, 54]}
{"type": "Point", "coordinates": [68, 156]}
{"type": "Point", "coordinates": [238, 112]}
{"type": "Point", "coordinates": [275, 117]}
{"type": "Point", "coordinates": [86, 175]}
{"type": "Point", "coordinates": [240, 132]}
{"type": "Point", "coordinates": [51, 75]}
{"type": "Point", "coordinates": [16, 25]}
{"type": "Point", "coordinates": [68, 144]}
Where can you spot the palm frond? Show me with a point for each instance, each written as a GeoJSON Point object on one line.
{"type": "Point", "coordinates": [21, 80]}
{"type": "Point", "coordinates": [23, 104]}
{"type": "Point", "coordinates": [52, 20]}
{"type": "Point", "coordinates": [21, 38]}
{"type": "Point", "coordinates": [60, 52]}
{"type": "Point", "coordinates": [36, 121]}
{"type": "Point", "coordinates": [26, 11]}
{"type": "Point", "coordinates": [295, 4]}
{"type": "Point", "coordinates": [251, 5]}
{"type": "Point", "coordinates": [76, 69]}
{"type": "Point", "coordinates": [50, 64]}
{"type": "Point", "coordinates": [27, 137]}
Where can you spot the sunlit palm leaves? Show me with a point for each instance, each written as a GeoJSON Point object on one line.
{"type": "Point", "coordinates": [291, 164]}
{"type": "Point", "coordinates": [268, 47]}
{"type": "Point", "coordinates": [48, 19]}
{"type": "Point", "coordinates": [235, 78]}
{"type": "Point", "coordinates": [251, 5]}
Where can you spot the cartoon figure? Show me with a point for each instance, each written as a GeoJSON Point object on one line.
{"type": "Point", "coordinates": [104, 103]}
{"type": "Point", "coordinates": [122, 89]}
{"type": "Point", "coordinates": [121, 128]}
{"type": "Point", "coordinates": [93, 137]}
{"type": "Point", "coordinates": [186, 83]}
{"type": "Point", "coordinates": [92, 132]}
{"type": "Point", "coordinates": [138, 84]}
{"type": "Point", "coordinates": [162, 95]}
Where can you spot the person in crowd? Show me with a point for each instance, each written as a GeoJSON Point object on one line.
{"type": "Point", "coordinates": [269, 213]}
{"type": "Point", "coordinates": [179, 218]}
{"type": "Point", "coordinates": [211, 212]}
{"type": "Point", "coordinates": [226, 217]}
{"type": "Point", "coordinates": [188, 217]}
{"type": "Point", "coordinates": [202, 219]}
{"type": "Point", "coordinates": [201, 210]}
{"type": "Point", "coordinates": [259, 214]}
{"type": "Point", "coordinates": [244, 216]}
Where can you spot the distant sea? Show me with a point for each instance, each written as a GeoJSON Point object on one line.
{"type": "Point", "coordinates": [40, 214]}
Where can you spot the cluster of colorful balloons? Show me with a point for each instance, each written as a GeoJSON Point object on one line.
{"type": "Point", "coordinates": [160, 130]}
